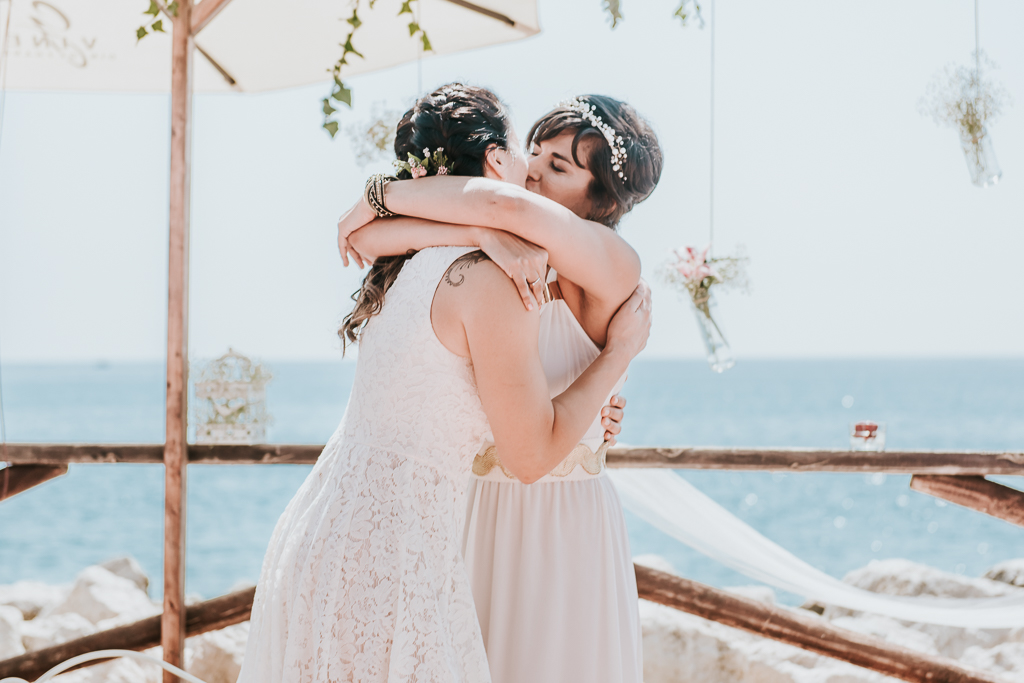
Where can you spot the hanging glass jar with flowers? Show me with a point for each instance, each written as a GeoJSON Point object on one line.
{"type": "Point", "coordinates": [700, 277]}
{"type": "Point", "coordinates": [961, 97]}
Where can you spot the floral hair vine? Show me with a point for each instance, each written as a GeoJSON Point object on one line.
{"type": "Point", "coordinates": [418, 167]}
{"type": "Point", "coordinates": [615, 143]}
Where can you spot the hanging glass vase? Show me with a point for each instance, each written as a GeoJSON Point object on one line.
{"type": "Point", "coordinates": [719, 354]}
{"type": "Point", "coordinates": [980, 157]}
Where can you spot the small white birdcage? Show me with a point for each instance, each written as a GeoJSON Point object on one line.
{"type": "Point", "coordinates": [231, 404]}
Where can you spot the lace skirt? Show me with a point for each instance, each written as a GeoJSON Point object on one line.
{"type": "Point", "coordinates": [364, 579]}
{"type": "Point", "coordinates": [553, 581]}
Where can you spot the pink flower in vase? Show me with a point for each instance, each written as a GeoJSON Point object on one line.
{"type": "Point", "coordinates": [442, 170]}
{"type": "Point", "coordinates": [693, 265]}
{"type": "Point", "coordinates": [418, 172]}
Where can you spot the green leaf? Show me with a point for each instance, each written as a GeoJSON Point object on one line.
{"type": "Point", "coordinates": [614, 11]}
{"type": "Point", "coordinates": [141, 33]}
{"type": "Point", "coordinates": [173, 8]}
{"type": "Point", "coordinates": [354, 20]}
{"type": "Point", "coordinates": [331, 127]}
{"type": "Point", "coordinates": [347, 47]}
{"type": "Point", "coordinates": [406, 8]}
{"type": "Point", "coordinates": [154, 8]}
{"type": "Point", "coordinates": [426, 42]}
{"type": "Point", "coordinates": [413, 28]}
{"type": "Point", "coordinates": [328, 109]}
{"type": "Point", "coordinates": [342, 94]}
{"type": "Point", "coordinates": [158, 25]}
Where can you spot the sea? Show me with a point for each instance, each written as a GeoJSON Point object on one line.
{"type": "Point", "coordinates": [836, 522]}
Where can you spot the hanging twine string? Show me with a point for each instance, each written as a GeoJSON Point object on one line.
{"type": "Point", "coordinates": [711, 155]}
{"type": "Point", "coordinates": [977, 43]}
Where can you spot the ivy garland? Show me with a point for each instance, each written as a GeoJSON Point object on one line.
{"type": "Point", "coordinates": [343, 94]}
{"type": "Point", "coordinates": [687, 9]}
{"type": "Point", "coordinates": [156, 24]}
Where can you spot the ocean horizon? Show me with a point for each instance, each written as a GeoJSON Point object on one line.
{"type": "Point", "coordinates": [836, 522]}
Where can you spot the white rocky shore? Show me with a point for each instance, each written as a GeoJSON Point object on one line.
{"type": "Point", "coordinates": [677, 646]}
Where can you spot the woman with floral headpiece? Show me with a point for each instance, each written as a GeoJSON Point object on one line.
{"type": "Point", "coordinates": [548, 557]}
{"type": "Point", "coordinates": [363, 580]}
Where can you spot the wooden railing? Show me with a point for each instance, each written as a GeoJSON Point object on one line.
{"type": "Point", "coordinates": [977, 463]}
{"type": "Point", "coordinates": [958, 477]}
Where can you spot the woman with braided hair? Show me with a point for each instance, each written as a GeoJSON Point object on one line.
{"type": "Point", "coordinates": [549, 560]}
{"type": "Point", "coordinates": [363, 579]}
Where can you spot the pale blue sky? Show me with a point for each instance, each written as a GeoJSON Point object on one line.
{"type": "Point", "coordinates": [865, 234]}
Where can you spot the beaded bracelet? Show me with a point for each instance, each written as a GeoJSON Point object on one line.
{"type": "Point", "coordinates": [374, 194]}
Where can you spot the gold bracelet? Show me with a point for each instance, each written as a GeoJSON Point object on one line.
{"type": "Point", "coordinates": [374, 194]}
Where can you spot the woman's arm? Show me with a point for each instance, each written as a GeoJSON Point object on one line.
{"type": "Point", "coordinates": [525, 263]}
{"type": "Point", "coordinates": [589, 254]}
{"type": "Point", "coordinates": [532, 431]}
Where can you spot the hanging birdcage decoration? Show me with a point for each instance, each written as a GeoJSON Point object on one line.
{"type": "Point", "coordinates": [231, 405]}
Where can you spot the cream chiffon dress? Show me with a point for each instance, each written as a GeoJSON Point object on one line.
{"type": "Point", "coordinates": [364, 578]}
{"type": "Point", "coordinates": [549, 562]}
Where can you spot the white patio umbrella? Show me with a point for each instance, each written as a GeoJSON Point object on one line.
{"type": "Point", "coordinates": [245, 45]}
{"type": "Point", "coordinates": [248, 45]}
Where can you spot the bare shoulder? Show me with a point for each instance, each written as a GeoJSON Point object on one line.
{"type": "Point", "coordinates": [474, 276]}
{"type": "Point", "coordinates": [475, 300]}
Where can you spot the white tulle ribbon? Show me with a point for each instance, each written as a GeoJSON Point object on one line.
{"type": "Point", "coordinates": [674, 506]}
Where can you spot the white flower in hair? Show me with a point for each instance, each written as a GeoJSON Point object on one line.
{"type": "Point", "coordinates": [615, 143]}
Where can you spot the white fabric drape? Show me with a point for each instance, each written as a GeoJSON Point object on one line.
{"type": "Point", "coordinates": [674, 506]}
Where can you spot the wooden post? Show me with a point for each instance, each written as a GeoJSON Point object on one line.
{"type": "Point", "coordinates": [975, 493]}
{"type": "Point", "coordinates": [172, 624]}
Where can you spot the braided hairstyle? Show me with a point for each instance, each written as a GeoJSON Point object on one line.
{"type": "Point", "coordinates": [464, 121]}
{"type": "Point", "coordinates": [611, 197]}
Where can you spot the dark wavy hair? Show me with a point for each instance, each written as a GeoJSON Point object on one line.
{"type": "Point", "coordinates": [611, 197]}
{"type": "Point", "coordinates": [464, 121]}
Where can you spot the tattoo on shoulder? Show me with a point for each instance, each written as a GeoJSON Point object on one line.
{"type": "Point", "coordinates": [455, 276]}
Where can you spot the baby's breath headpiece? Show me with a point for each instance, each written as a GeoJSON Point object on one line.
{"type": "Point", "coordinates": [587, 112]}
{"type": "Point", "coordinates": [418, 168]}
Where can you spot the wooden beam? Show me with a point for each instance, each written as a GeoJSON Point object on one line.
{"type": "Point", "coordinates": [753, 459]}
{"type": "Point", "coordinates": [210, 615]}
{"type": "Point", "coordinates": [15, 479]}
{"type": "Point", "coordinates": [175, 456]}
{"type": "Point", "coordinates": [976, 493]}
{"type": "Point", "coordinates": [819, 460]}
{"type": "Point", "coordinates": [204, 12]}
{"type": "Point", "coordinates": [473, 7]}
{"type": "Point", "coordinates": [806, 632]}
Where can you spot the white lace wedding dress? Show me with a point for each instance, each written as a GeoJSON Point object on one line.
{"type": "Point", "coordinates": [364, 579]}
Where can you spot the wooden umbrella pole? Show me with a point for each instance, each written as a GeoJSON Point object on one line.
{"type": "Point", "coordinates": [172, 624]}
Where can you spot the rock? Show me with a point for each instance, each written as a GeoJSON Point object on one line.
{"type": "Point", "coordinates": [902, 577]}
{"type": "Point", "coordinates": [1010, 571]}
{"type": "Point", "coordinates": [216, 657]}
{"type": "Point", "coordinates": [31, 597]}
{"type": "Point", "coordinates": [46, 631]}
{"type": "Point", "coordinates": [128, 568]}
{"type": "Point", "coordinates": [683, 647]}
{"type": "Point", "coordinates": [10, 632]}
{"type": "Point", "coordinates": [1006, 659]}
{"type": "Point", "coordinates": [97, 595]}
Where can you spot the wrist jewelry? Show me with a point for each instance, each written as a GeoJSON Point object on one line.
{"type": "Point", "coordinates": [374, 194]}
